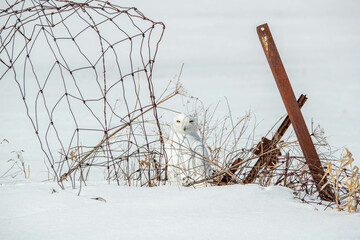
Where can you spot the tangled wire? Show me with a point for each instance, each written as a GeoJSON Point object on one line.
{"type": "Point", "coordinates": [84, 71]}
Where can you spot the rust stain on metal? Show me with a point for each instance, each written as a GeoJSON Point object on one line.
{"type": "Point", "coordinates": [296, 118]}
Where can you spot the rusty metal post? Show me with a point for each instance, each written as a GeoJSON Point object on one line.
{"type": "Point", "coordinates": [293, 110]}
{"type": "Point", "coordinates": [264, 147]}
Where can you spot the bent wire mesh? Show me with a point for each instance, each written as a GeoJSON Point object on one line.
{"type": "Point", "coordinates": [84, 72]}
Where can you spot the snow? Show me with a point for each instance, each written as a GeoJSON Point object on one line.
{"type": "Point", "coordinates": [217, 42]}
{"type": "Point", "coordinates": [30, 210]}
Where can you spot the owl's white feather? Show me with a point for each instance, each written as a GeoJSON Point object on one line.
{"type": "Point", "coordinates": [186, 152]}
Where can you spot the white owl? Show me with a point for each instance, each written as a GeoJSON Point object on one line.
{"type": "Point", "coordinates": [187, 155]}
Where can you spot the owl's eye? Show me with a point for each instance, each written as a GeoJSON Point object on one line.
{"type": "Point", "coordinates": [178, 121]}
{"type": "Point", "coordinates": [191, 121]}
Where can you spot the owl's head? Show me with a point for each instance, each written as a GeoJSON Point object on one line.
{"type": "Point", "coordinates": [185, 124]}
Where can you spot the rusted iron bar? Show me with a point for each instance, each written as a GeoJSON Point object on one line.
{"type": "Point", "coordinates": [293, 110]}
{"type": "Point", "coordinates": [286, 123]}
{"type": "Point", "coordinates": [268, 157]}
{"type": "Point", "coordinates": [261, 161]}
{"type": "Point", "coordinates": [233, 168]}
{"type": "Point", "coordinates": [264, 146]}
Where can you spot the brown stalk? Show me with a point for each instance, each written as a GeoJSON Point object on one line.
{"type": "Point", "coordinates": [64, 176]}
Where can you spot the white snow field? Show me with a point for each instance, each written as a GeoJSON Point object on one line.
{"type": "Point", "coordinates": [217, 41]}
{"type": "Point", "coordinates": [31, 211]}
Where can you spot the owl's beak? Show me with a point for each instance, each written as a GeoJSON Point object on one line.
{"type": "Point", "coordinates": [184, 129]}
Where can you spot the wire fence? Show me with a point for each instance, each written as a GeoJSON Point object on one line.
{"type": "Point", "coordinates": [84, 72]}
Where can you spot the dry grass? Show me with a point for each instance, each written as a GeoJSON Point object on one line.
{"type": "Point", "coordinates": [344, 177]}
{"type": "Point", "coordinates": [18, 166]}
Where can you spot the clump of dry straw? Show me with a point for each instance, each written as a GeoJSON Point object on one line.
{"type": "Point", "coordinates": [344, 177]}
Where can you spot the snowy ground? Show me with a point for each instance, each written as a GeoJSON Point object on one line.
{"type": "Point", "coordinates": [217, 42]}
{"type": "Point", "coordinates": [32, 211]}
